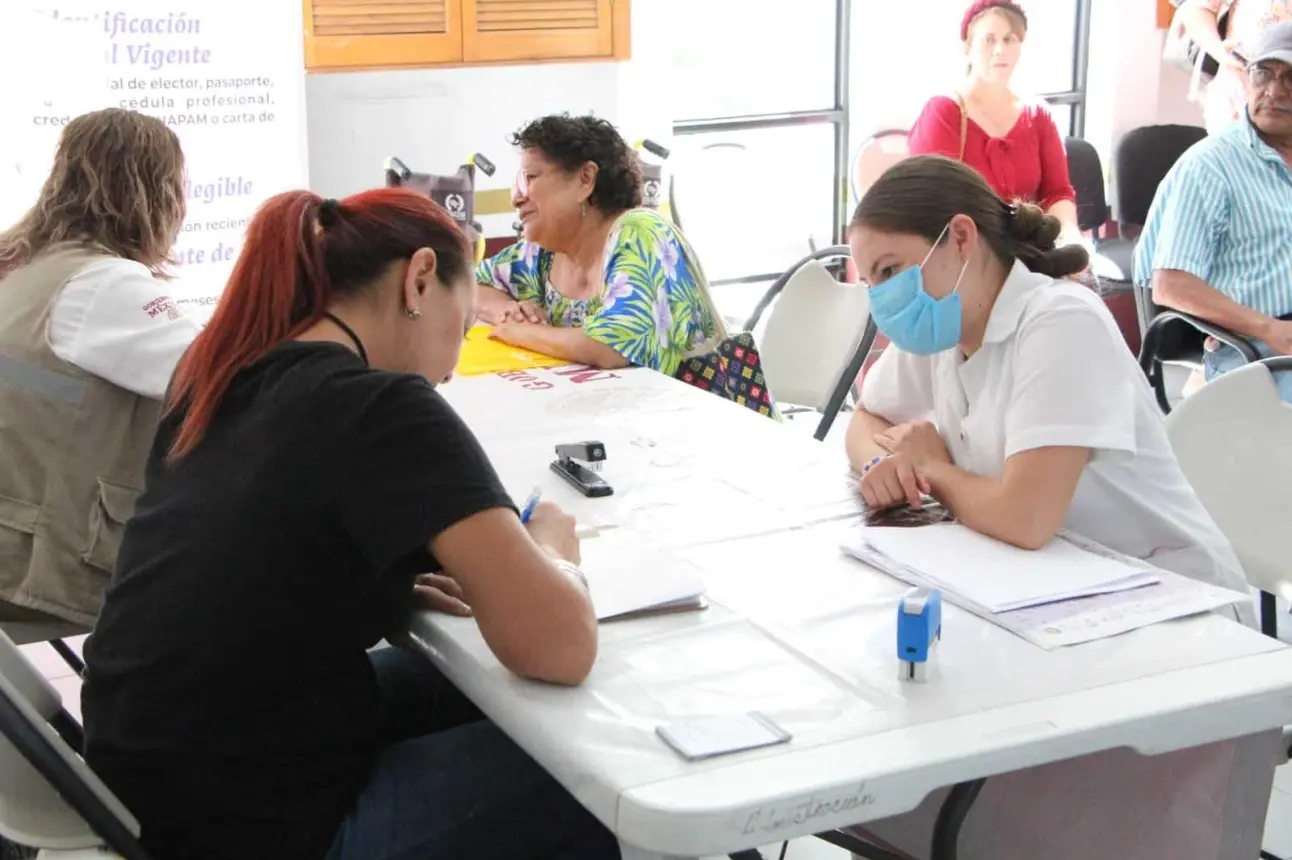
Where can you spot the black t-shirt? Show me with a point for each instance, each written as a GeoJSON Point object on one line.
{"type": "Point", "coordinates": [228, 700]}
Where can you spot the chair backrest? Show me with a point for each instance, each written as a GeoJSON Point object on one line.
{"type": "Point", "coordinates": [48, 796]}
{"type": "Point", "coordinates": [874, 155]}
{"type": "Point", "coordinates": [1233, 439]}
{"type": "Point", "coordinates": [1086, 172]}
{"type": "Point", "coordinates": [652, 172]}
{"type": "Point", "coordinates": [812, 331]}
{"type": "Point", "coordinates": [1141, 159]}
{"type": "Point", "coordinates": [1145, 308]}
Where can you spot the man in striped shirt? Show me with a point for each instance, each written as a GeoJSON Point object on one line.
{"type": "Point", "coordinates": [1218, 242]}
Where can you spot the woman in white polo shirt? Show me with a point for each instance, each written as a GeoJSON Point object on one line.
{"type": "Point", "coordinates": [89, 338]}
{"type": "Point", "coordinates": [1011, 398]}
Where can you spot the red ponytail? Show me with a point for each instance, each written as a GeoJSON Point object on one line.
{"type": "Point", "coordinates": [289, 269]}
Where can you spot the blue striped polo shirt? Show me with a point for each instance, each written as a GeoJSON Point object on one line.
{"type": "Point", "coordinates": [1224, 214]}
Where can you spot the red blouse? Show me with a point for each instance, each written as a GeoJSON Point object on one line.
{"type": "Point", "coordinates": [1029, 163]}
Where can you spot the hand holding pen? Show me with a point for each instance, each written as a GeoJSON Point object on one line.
{"type": "Point", "coordinates": [550, 527]}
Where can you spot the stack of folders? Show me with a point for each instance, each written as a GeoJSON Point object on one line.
{"type": "Point", "coordinates": [629, 578]}
{"type": "Point", "coordinates": [1073, 590]}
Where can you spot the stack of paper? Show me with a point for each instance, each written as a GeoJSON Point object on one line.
{"type": "Point", "coordinates": [630, 578]}
{"type": "Point", "coordinates": [1071, 592]}
{"type": "Point", "coordinates": [999, 577]}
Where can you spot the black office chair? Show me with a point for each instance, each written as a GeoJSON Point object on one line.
{"type": "Point", "coordinates": [1142, 159]}
{"type": "Point", "coordinates": [1111, 262]}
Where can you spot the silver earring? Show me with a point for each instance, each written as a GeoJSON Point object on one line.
{"type": "Point", "coordinates": [412, 313]}
{"type": "Point", "coordinates": [585, 211]}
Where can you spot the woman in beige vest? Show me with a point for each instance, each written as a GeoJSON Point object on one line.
{"type": "Point", "coordinates": [88, 341]}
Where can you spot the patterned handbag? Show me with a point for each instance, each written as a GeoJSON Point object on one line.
{"type": "Point", "coordinates": [733, 370]}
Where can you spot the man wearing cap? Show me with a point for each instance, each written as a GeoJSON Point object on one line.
{"type": "Point", "coordinates": [1218, 242]}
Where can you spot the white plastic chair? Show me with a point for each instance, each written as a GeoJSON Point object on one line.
{"type": "Point", "coordinates": [49, 797]}
{"type": "Point", "coordinates": [1233, 439]}
{"type": "Point", "coordinates": [816, 330]}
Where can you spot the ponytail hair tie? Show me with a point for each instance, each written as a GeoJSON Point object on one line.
{"type": "Point", "coordinates": [1011, 210]}
{"type": "Point", "coordinates": [329, 213]}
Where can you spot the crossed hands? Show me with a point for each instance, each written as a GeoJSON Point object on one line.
{"type": "Point", "coordinates": [901, 475]}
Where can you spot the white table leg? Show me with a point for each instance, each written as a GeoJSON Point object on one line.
{"type": "Point", "coordinates": [632, 852]}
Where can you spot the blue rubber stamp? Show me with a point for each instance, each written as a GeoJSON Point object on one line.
{"type": "Point", "coordinates": [919, 629]}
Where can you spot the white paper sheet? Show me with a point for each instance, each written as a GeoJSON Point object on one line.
{"type": "Point", "coordinates": [627, 574]}
{"type": "Point", "coordinates": [1072, 622]}
{"type": "Point", "coordinates": [998, 577]}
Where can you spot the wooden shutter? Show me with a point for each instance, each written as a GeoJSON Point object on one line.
{"type": "Point", "coordinates": [520, 30]}
{"type": "Point", "coordinates": [348, 34]}
{"type": "Point", "coordinates": [1165, 10]}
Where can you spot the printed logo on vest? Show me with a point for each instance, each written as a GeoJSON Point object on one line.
{"type": "Point", "coordinates": [457, 206]}
{"type": "Point", "coordinates": [160, 305]}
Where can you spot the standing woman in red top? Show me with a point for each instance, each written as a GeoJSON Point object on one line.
{"type": "Point", "coordinates": [1014, 144]}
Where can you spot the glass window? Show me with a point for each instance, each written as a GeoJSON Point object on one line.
{"type": "Point", "coordinates": [1047, 58]}
{"type": "Point", "coordinates": [723, 58]}
{"type": "Point", "coordinates": [890, 84]}
{"type": "Point", "coordinates": [1062, 118]}
{"type": "Point", "coordinates": [754, 202]}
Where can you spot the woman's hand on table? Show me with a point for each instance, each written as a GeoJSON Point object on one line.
{"type": "Point", "coordinates": [494, 307]}
{"type": "Point", "coordinates": [891, 481]}
{"type": "Point", "coordinates": [525, 312]}
{"type": "Point", "coordinates": [441, 594]}
{"type": "Point", "coordinates": [917, 441]}
{"type": "Point", "coordinates": [513, 332]}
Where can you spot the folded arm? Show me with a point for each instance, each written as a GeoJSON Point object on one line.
{"type": "Point", "coordinates": [537, 619]}
{"type": "Point", "coordinates": [1026, 506]}
{"type": "Point", "coordinates": [1183, 291]}
{"type": "Point", "coordinates": [571, 344]}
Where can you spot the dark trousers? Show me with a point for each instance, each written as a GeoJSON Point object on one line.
{"type": "Point", "coordinates": [451, 785]}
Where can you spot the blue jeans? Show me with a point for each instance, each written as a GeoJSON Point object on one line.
{"type": "Point", "coordinates": [452, 785]}
{"type": "Point", "coordinates": [1226, 358]}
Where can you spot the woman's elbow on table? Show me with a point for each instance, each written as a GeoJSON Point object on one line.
{"type": "Point", "coordinates": [565, 655]}
{"type": "Point", "coordinates": [536, 618]}
{"type": "Point", "coordinates": [594, 353]}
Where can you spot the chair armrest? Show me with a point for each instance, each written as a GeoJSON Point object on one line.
{"type": "Point", "coordinates": [1150, 362]}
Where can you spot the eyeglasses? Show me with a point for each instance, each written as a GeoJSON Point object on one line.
{"type": "Point", "coordinates": [1262, 76]}
{"type": "Point", "coordinates": [522, 184]}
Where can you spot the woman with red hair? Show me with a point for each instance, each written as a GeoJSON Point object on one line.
{"type": "Point", "coordinates": [1013, 143]}
{"type": "Point", "coordinates": [308, 488]}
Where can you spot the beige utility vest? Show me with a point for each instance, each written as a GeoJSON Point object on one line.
{"type": "Point", "coordinates": [72, 453]}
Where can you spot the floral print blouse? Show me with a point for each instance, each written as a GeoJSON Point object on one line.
{"type": "Point", "coordinates": [653, 309]}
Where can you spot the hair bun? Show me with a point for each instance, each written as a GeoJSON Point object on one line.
{"type": "Point", "coordinates": [329, 213]}
{"type": "Point", "coordinates": [1035, 233]}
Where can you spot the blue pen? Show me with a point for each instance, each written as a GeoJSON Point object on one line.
{"type": "Point", "coordinates": [528, 511]}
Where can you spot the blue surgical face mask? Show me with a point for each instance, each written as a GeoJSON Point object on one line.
{"type": "Point", "coordinates": [912, 319]}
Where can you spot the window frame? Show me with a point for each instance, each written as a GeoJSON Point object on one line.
{"type": "Point", "coordinates": [839, 114]}
{"type": "Point", "coordinates": [1076, 96]}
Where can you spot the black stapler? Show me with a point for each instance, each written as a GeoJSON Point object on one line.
{"type": "Point", "coordinates": [578, 463]}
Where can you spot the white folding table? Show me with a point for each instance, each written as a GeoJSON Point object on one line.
{"type": "Point", "coordinates": [801, 633]}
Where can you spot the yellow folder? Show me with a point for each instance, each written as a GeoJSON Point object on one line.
{"type": "Point", "coordinates": [481, 355]}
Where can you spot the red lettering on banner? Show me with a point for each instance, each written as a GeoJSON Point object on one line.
{"type": "Point", "coordinates": [585, 373]}
{"type": "Point", "coordinates": [578, 375]}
